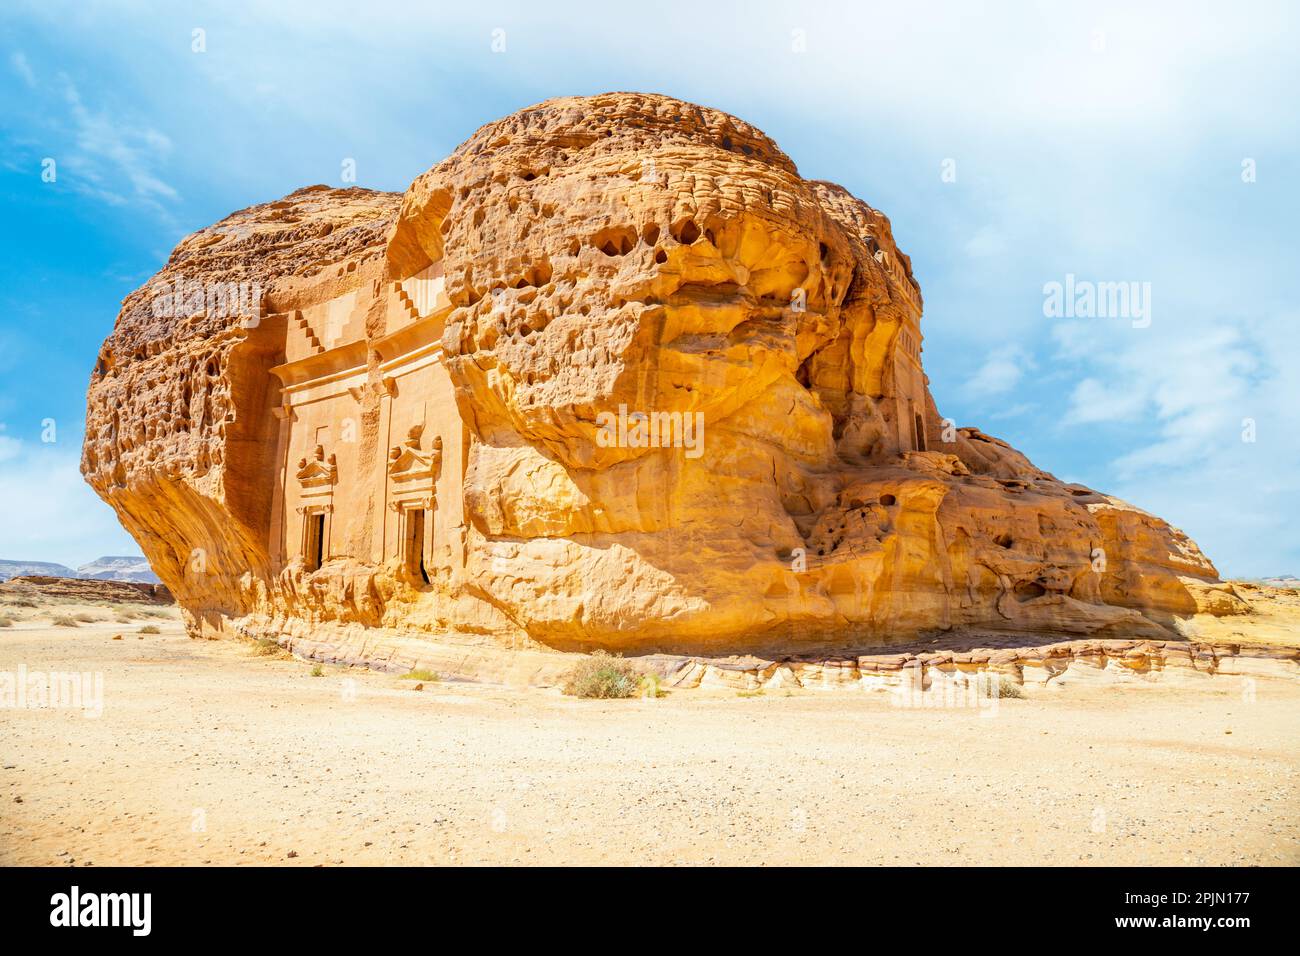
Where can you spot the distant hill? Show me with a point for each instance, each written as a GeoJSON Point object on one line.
{"type": "Point", "coordinates": [13, 569]}
{"type": "Point", "coordinates": [108, 568]}
{"type": "Point", "coordinates": [1282, 581]}
{"type": "Point", "coordinates": [119, 568]}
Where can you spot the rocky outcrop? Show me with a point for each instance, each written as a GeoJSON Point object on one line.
{"type": "Point", "coordinates": [612, 374]}
{"type": "Point", "coordinates": [36, 586]}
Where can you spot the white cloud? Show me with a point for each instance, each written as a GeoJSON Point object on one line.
{"type": "Point", "coordinates": [18, 60]}
{"type": "Point", "coordinates": [1189, 384]}
{"type": "Point", "coordinates": [1094, 401]}
{"type": "Point", "coordinates": [1002, 370]}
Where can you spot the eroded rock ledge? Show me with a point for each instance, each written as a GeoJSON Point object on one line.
{"type": "Point", "coordinates": [934, 672]}
{"type": "Point", "coordinates": [930, 672]}
{"type": "Point", "coordinates": [403, 432]}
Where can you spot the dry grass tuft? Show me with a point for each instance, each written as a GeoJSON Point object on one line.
{"type": "Point", "coordinates": [1001, 686]}
{"type": "Point", "coordinates": [419, 674]}
{"type": "Point", "coordinates": [269, 647]}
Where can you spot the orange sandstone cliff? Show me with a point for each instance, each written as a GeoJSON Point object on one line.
{"type": "Point", "coordinates": [610, 375]}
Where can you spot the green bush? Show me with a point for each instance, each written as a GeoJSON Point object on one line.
{"type": "Point", "coordinates": [603, 676]}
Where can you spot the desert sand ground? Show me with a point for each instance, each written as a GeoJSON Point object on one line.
{"type": "Point", "coordinates": [207, 753]}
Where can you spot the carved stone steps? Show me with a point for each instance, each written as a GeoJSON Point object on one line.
{"type": "Point", "coordinates": [405, 299]}
{"type": "Point", "coordinates": [300, 322]}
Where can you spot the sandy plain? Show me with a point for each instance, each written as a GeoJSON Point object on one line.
{"type": "Point", "coordinates": [205, 752]}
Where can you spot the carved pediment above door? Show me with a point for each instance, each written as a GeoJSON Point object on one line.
{"type": "Point", "coordinates": [401, 505]}
{"type": "Point", "coordinates": [408, 462]}
{"type": "Point", "coordinates": [319, 471]}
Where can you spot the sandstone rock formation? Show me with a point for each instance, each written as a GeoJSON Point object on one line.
{"type": "Point", "coordinates": [612, 374]}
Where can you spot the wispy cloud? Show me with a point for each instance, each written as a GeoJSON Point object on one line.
{"type": "Point", "coordinates": [1002, 370]}
{"type": "Point", "coordinates": [110, 152]}
{"type": "Point", "coordinates": [18, 60]}
{"type": "Point", "coordinates": [1188, 389]}
{"type": "Point", "coordinates": [1205, 408]}
{"type": "Point", "coordinates": [1094, 401]}
{"type": "Point", "coordinates": [100, 152]}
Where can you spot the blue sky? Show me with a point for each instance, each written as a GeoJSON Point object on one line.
{"type": "Point", "coordinates": [1095, 140]}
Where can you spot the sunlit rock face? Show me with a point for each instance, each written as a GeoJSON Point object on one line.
{"type": "Point", "coordinates": [612, 374]}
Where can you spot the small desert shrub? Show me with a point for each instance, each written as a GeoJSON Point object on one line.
{"type": "Point", "coordinates": [998, 685]}
{"type": "Point", "coordinates": [267, 647]}
{"type": "Point", "coordinates": [317, 671]}
{"type": "Point", "coordinates": [85, 618]}
{"type": "Point", "coordinates": [63, 620]}
{"type": "Point", "coordinates": [419, 674]}
{"type": "Point", "coordinates": [6, 621]}
{"type": "Point", "coordinates": [152, 612]}
{"type": "Point", "coordinates": [20, 602]}
{"type": "Point", "coordinates": [602, 676]}
{"type": "Point", "coordinates": [149, 629]}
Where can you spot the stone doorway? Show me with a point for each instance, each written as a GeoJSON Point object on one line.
{"type": "Point", "coordinates": [414, 545]}
{"type": "Point", "coordinates": [314, 552]}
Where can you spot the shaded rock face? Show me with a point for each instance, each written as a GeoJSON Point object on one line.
{"type": "Point", "coordinates": [612, 374]}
